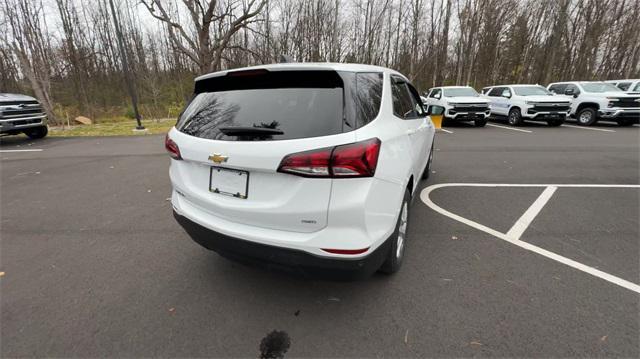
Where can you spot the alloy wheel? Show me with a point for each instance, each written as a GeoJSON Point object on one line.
{"type": "Point", "coordinates": [585, 117]}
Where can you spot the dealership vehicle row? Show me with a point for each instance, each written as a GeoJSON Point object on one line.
{"type": "Point", "coordinates": [585, 101]}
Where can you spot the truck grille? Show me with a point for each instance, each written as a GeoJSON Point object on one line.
{"type": "Point", "coordinates": [627, 102]}
{"type": "Point", "coordinates": [20, 111]}
{"type": "Point", "coordinates": [25, 122]}
{"type": "Point", "coordinates": [13, 103]}
{"type": "Point", "coordinates": [471, 107]}
{"type": "Point", "coordinates": [560, 107]}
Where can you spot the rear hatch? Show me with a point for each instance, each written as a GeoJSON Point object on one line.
{"type": "Point", "coordinates": [237, 129]}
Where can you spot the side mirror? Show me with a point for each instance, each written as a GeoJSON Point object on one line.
{"type": "Point", "coordinates": [568, 92]}
{"type": "Point", "coordinates": [435, 110]}
{"type": "Point", "coordinates": [506, 95]}
{"type": "Point", "coordinates": [438, 96]}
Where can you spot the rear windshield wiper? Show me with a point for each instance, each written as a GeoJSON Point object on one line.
{"type": "Point", "coordinates": [247, 131]}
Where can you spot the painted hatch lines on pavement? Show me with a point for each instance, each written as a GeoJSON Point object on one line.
{"type": "Point", "coordinates": [519, 227]}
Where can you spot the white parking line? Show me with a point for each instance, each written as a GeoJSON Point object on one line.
{"type": "Point", "coordinates": [513, 235]}
{"type": "Point", "coordinates": [32, 150]}
{"type": "Point", "coordinates": [447, 131]}
{"type": "Point", "coordinates": [509, 128]}
{"type": "Point", "coordinates": [523, 222]}
{"type": "Point", "coordinates": [588, 128]}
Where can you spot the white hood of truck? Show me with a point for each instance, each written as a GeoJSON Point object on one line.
{"type": "Point", "coordinates": [617, 94]}
{"type": "Point", "coordinates": [4, 97]}
{"type": "Point", "coordinates": [466, 99]}
{"type": "Point", "coordinates": [550, 99]}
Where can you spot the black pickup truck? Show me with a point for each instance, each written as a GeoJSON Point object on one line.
{"type": "Point", "coordinates": [22, 114]}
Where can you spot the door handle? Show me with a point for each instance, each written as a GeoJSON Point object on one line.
{"type": "Point", "coordinates": [411, 132]}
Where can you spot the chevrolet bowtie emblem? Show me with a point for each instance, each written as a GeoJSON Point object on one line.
{"type": "Point", "coordinates": [218, 158]}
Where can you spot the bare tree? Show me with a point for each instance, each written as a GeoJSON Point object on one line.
{"type": "Point", "coordinates": [227, 18]}
{"type": "Point", "coordinates": [30, 45]}
{"type": "Point", "coordinates": [70, 55]}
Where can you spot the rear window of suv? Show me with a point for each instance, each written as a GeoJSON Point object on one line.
{"type": "Point", "coordinates": [254, 105]}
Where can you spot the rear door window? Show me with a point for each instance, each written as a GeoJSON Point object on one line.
{"type": "Point", "coordinates": [417, 103]}
{"type": "Point", "coordinates": [262, 105]}
{"type": "Point", "coordinates": [362, 98]}
{"type": "Point", "coordinates": [405, 103]}
{"type": "Point", "coordinates": [402, 106]}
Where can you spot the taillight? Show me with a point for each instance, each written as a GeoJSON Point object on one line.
{"type": "Point", "coordinates": [356, 159]}
{"type": "Point", "coordinates": [313, 163]}
{"type": "Point", "coordinates": [345, 161]}
{"type": "Point", "coordinates": [172, 148]}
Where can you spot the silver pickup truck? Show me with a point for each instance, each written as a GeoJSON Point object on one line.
{"type": "Point", "coordinates": [22, 114]}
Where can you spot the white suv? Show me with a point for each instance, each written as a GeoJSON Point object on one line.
{"type": "Point", "coordinates": [595, 100]}
{"type": "Point", "coordinates": [526, 102]}
{"type": "Point", "coordinates": [460, 103]}
{"type": "Point", "coordinates": [311, 166]}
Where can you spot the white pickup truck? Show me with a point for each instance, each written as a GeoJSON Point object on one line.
{"type": "Point", "coordinates": [519, 103]}
{"type": "Point", "coordinates": [460, 103]}
{"type": "Point", "coordinates": [22, 114]}
{"type": "Point", "coordinates": [595, 100]}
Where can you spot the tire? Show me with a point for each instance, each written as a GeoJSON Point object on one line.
{"type": "Point", "coordinates": [427, 169]}
{"type": "Point", "coordinates": [515, 117]}
{"type": "Point", "coordinates": [586, 117]}
{"type": "Point", "coordinates": [625, 122]}
{"type": "Point", "coordinates": [37, 132]}
{"type": "Point", "coordinates": [555, 122]}
{"type": "Point", "coordinates": [398, 239]}
{"type": "Point", "coordinates": [480, 123]}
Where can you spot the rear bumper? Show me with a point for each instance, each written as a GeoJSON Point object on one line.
{"type": "Point", "coordinates": [285, 258]}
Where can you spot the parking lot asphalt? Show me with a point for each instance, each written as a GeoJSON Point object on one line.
{"type": "Point", "coordinates": [94, 264]}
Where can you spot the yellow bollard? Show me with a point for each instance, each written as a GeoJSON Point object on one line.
{"type": "Point", "coordinates": [437, 121]}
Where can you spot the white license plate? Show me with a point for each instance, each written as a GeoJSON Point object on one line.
{"type": "Point", "coordinates": [229, 182]}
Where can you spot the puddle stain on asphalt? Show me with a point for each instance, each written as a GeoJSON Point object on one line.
{"type": "Point", "coordinates": [274, 345]}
